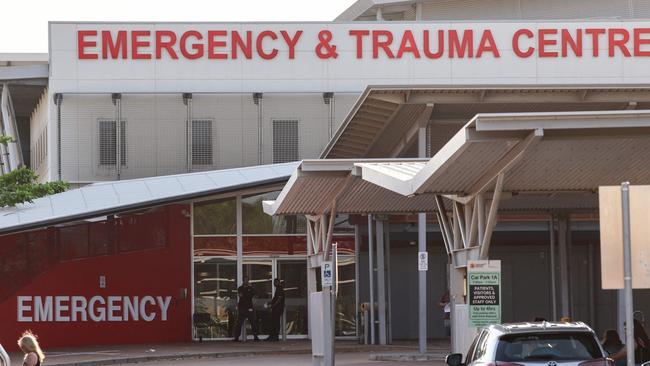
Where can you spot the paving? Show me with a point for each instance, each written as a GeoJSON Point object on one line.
{"type": "Point", "coordinates": [125, 354]}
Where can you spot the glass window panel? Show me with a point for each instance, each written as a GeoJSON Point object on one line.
{"type": "Point", "coordinates": [215, 246]}
{"type": "Point", "coordinates": [101, 237]}
{"type": "Point", "coordinates": [216, 217]}
{"type": "Point", "coordinates": [293, 274]}
{"type": "Point", "coordinates": [275, 245]}
{"type": "Point", "coordinates": [346, 310]}
{"type": "Point", "coordinates": [215, 297]}
{"type": "Point", "coordinates": [258, 222]}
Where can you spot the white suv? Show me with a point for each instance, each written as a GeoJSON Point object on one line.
{"type": "Point", "coordinates": [534, 344]}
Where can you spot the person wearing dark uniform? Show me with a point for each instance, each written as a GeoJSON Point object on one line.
{"type": "Point", "coordinates": [277, 309]}
{"type": "Point", "coordinates": [245, 309]}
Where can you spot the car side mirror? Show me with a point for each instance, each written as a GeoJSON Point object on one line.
{"type": "Point", "coordinates": [454, 359]}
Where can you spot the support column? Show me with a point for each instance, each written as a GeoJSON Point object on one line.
{"type": "Point", "coordinates": [422, 247]}
{"type": "Point", "coordinates": [371, 280]}
{"type": "Point", "coordinates": [564, 275]}
{"type": "Point", "coordinates": [240, 253]}
{"type": "Point", "coordinates": [551, 226]}
{"type": "Point", "coordinates": [357, 246]}
{"type": "Point", "coordinates": [456, 297]}
{"type": "Point", "coordinates": [381, 282]}
{"type": "Point", "coordinates": [311, 275]}
{"type": "Point", "coordinates": [389, 310]}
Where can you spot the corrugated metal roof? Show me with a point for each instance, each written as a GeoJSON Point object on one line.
{"type": "Point", "coordinates": [577, 151]}
{"type": "Point", "coordinates": [316, 183]}
{"type": "Point", "coordinates": [111, 197]}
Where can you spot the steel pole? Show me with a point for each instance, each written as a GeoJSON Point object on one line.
{"type": "Point", "coordinates": [422, 285]}
{"type": "Point", "coordinates": [627, 256]}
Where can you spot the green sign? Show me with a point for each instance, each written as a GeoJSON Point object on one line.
{"type": "Point", "coordinates": [484, 292]}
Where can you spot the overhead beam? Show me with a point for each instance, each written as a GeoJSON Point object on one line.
{"type": "Point", "coordinates": [532, 96]}
{"type": "Point", "coordinates": [410, 135]}
{"type": "Point", "coordinates": [389, 98]}
{"type": "Point", "coordinates": [505, 163]}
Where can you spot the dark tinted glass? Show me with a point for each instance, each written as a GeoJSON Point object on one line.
{"type": "Point", "coordinates": [560, 346]}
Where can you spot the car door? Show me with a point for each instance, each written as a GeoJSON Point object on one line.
{"type": "Point", "coordinates": [477, 349]}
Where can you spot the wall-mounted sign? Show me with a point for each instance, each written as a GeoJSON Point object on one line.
{"type": "Point", "coordinates": [484, 292]}
{"type": "Point", "coordinates": [422, 42]}
{"type": "Point", "coordinates": [93, 309]}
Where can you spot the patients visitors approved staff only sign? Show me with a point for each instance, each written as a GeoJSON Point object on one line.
{"type": "Point", "coordinates": [484, 292]}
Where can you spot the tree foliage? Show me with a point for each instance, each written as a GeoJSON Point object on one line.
{"type": "Point", "coordinates": [20, 185]}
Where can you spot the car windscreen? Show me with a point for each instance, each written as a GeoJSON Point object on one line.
{"type": "Point", "coordinates": [560, 346]}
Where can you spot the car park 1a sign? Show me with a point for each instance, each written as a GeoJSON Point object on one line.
{"type": "Point", "coordinates": [484, 292]}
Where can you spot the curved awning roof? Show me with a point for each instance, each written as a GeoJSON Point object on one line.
{"type": "Point", "coordinates": [106, 198]}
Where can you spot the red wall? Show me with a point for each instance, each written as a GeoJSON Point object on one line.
{"type": "Point", "coordinates": [160, 271]}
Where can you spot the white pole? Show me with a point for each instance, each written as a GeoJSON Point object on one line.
{"type": "Point", "coordinates": [627, 255]}
{"type": "Point", "coordinates": [551, 225]}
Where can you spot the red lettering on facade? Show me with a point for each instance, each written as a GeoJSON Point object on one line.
{"type": "Point", "coordinates": [196, 47]}
{"type": "Point", "coordinates": [595, 34]}
{"type": "Point", "coordinates": [82, 43]}
{"type": "Point", "coordinates": [359, 34]}
{"type": "Point", "coordinates": [487, 44]}
{"type": "Point", "coordinates": [384, 44]}
{"type": "Point", "coordinates": [213, 43]}
{"type": "Point", "coordinates": [291, 42]}
{"type": "Point", "coordinates": [640, 41]}
{"type": "Point", "coordinates": [113, 47]}
{"type": "Point", "coordinates": [618, 38]}
{"type": "Point", "coordinates": [165, 44]}
{"type": "Point", "coordinates": [543, 42]}
{"type": "Point", "coordinates": [462, 47]}
{"type": "Point", "coordinates": [408, 45]}
{"type": "Point", "coordinates": [136, 44]}
{"type": "Point", "coordinates": [260, 45]}
{"type": "Point", "coordinates": [246, 46]}
{"type": "Point", "coordinates": [569, 41]}
{"type": "Point", "coordinates": [515, 43]}
{"type": "Point", "coordinates": [427, 44]}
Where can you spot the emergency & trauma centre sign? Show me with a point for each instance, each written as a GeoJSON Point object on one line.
{"type": "Point", "coordinates": [432, 42]}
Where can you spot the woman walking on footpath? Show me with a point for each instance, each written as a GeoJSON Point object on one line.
{"type": "Point", "coordinates": [29, 345]}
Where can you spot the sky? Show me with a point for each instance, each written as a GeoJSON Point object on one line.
{"type": "Point", "coordinates": [23, 23]}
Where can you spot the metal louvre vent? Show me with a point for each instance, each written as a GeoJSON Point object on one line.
{"type": "Point", "coordinates": [285, 140]}
{"type": "Point", "coordinates": [108, 142]}
{"type": "Point", "coordinates": [202, 142]}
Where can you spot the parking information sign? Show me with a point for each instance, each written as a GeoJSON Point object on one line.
{"type": "Point", "coordinates": [484, 291]}
{"type": "Point", "coordinates": [326, 274]}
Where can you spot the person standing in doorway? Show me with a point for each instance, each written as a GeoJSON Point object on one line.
{"type": "Point", "coordinates": [29, 345]}
{"type": "Point", "coordinates": [277, 309]}
{"type": "Point", "coordinates": [445, 304]}
{"type": "Point", "coordinates": [245, 309]}
{"type": "Point", "coordinates": [641, 346]}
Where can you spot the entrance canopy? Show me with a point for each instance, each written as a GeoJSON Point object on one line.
{"type": "Point", "coordinates": [539, 152]}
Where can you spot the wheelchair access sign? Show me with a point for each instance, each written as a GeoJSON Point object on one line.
{"type": "Point", "coordinates": [484, 292]}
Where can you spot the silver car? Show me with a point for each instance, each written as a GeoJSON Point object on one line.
{"type": "Point", "coordinates": [534, 344]}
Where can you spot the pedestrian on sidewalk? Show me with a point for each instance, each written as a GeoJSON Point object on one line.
{"type": "Point", "coordinates": [28, 343]}
{"type": "Point", "coordinates": [277, 308]}
{"type": "Point", "coordinates": [245, 309]}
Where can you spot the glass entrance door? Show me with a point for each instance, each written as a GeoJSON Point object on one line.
{"type": "Point", "coordinates": [294, 275]}
{"type": "Point", "coordinates": [260, 274]}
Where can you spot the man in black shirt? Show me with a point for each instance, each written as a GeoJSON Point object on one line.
{"type": "Point", "coordinates": [245, 309]}
{"type": "Point", "coordinates": [277, 308]}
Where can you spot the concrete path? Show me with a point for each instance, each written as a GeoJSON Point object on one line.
{"type": "Point", "coordinates": [124, 354]}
